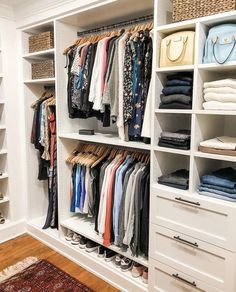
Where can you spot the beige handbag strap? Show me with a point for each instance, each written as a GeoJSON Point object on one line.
{"type": "Point", "coordinates": [184, 41]}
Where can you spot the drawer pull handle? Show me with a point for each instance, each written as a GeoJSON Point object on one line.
{"type": "Point", "coordinates": [183, 280]}
{"type": "Point", "coordinates": [185, 241]}
{"type": "Point", "coordinates": [187, 201]}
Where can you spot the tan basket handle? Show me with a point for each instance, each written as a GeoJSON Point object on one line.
{"type": "Point", "coordinates": [184, 40]}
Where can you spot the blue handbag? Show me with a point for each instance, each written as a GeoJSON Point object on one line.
{"type": "Point", "coordinates": [220, 45]}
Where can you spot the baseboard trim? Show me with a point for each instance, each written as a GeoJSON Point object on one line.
{"type": "Point", "coordinates": [12, 230]}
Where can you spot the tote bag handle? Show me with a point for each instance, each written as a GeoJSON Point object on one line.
{"type": "Point", "coordinates": [230, 53]}
{"type": "Point", "coordinates": [184, 41]}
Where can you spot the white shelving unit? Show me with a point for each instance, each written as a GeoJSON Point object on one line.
{"type": "Point", "coordinates": [176, 215]}
{"type": "Point", "coordinates": [11, 161]}
{"type": "Point", "coordinates": [190, 234]}
{"type": "Point", "coordinates": [65, 33]}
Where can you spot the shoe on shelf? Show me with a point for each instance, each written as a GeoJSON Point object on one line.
{"type": "Point", "coordinates": [2, 219]}
{"type": "Point", "coordinates": [91, 246]}
{"type": "Point", "coordinates": [145, 276]}
{"type": "Point", "coordinates": [83, 242]}
{"type": "Point", "coordinates": [126, 265]}
{"type": "Point", "coordinates": [109, 255]}
{"type": "Point", "coordinates": [69, 235]}
{"type": "Point", "coordinates": [137, 270]}
{"type": "Point", "coordinates": [75, 239]}
{"type": "Point", "coordinates": [101, 251]}
{"type": "Point", "coordinates": [1, 196]}
{"type": "Point", "coordinates": [118, 260]}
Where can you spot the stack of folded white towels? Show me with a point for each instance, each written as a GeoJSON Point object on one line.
{"type": "Point", "coordinates": [220, 95]}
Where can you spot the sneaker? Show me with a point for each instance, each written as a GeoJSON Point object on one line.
{"type": "Point", "coordinates": [126, 265]}
{"type": "Point", "coordinates": [109, 255]}
{"type": "Point", "coordinates": [91, 246]}
{"type": "Point", "coordinates": [83, 242]}
{"type": "Point", "coordinates": [118, 260]}
{"type": "Point", "coordinates": [145, 276]}
{"type": "Point", "coordinates": [137, 270]}
{"type": "Point", "coordinates": [75, 239]}
{"type": "Point", "coordinates": [69, 235]}
{"type": "Point", "coordinates": [101, 251]}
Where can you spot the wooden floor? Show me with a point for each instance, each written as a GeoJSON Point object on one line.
{"type": "Point", "coordinates": [16, 250]}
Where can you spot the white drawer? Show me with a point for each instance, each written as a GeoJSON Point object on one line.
{"type": "Point", "coordinates": [199, 259]}
{"type": "Point", "coordinates": [166, 279]}
{"type": "Point", "coordinates": [201, 217]}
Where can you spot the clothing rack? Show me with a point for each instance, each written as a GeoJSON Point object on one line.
{"type": "Point", "coordinates": [116, 25]}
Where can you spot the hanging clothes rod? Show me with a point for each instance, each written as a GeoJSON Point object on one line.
{"type": "Point", "coordinates": [116, 25]}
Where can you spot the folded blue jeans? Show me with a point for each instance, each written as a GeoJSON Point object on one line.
{"type": "Point", "coordinates": [216, 196]}
{"type": "Point", "coordinates": [226, 190]}
{"type": "Point", "coordinates": [217, 192]}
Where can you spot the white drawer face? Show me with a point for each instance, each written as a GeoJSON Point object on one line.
{"type": "Point", "coordinates": [166, 279]}
{"type": "Point", "coordinates": [207, 221]}
{"type": "Point", "coordinates": [201, 260]}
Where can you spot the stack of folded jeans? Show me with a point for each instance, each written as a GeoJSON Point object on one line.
{"type": "Point", "coordinates": [220, 95]}
{"type": "Point", "coordinates": [220, 184]}
{"type": "Point", "coordinates": [177, 140]}
{"type": "Point", "coordinates": [177, 93]}
{"type": "Point", "coordinates": [178, 179]}
{"type": "Point", "coordinates": [220, 145]}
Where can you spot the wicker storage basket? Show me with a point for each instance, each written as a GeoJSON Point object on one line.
{"type": "Point", "coordinates": [188, 9]}
{"type": "Point", "coordinates": [43, 69]}
{"type": "Point", "coordinates": [40, 42]}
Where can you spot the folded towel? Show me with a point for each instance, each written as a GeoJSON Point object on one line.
{"type": "Point", "coordinates": [185, 99]}
{"type": "Point", "coordinates": [218, 90]}
{"type": "Point", "coordinates": [221, 83]}
{"type": "Point", "coordinates": [227, 97]}
{"type": "Point", "coordinates": [217, 105]}
{"type": "Point", "coordinates": [224, 143]}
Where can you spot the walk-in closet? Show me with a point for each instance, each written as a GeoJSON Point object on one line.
{"type": "Point", "coordinates": [118, 145]}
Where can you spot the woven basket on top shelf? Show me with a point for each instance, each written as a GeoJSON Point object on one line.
{"type": "Point", "coordinates": [43, 69]}
{"type": "Point", "coordinates": [40, 42]}
{"type": "Point", "coordinates": [189, 9]}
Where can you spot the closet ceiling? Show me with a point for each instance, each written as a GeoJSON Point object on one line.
{"type": "Point", "coordinates": [12, 2]}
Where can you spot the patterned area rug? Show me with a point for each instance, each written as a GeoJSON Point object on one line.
{"type": "Point", "coordinates": [33, 275]}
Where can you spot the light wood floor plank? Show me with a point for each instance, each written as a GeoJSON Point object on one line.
{"type": "Point", "coordinates": [17, 249]}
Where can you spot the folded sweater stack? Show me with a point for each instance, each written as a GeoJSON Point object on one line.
{"type": "Point", "coordinates": [220, 145]}
{"type": "Point", "coordinates": [178, 179]}
{"type": "Point", "coordinates": [220, 184]}
{"type": "Point", "coordinates": [220, 95]}
{"type": "Point", "coordinates": [177, 93]}
{"type": "Point", "coordinates": [177, 140]}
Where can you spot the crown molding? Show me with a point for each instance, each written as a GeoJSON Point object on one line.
{"type": "Point", "coordinates": [30, 12]}
{"type": "Point", "coordinates": [6, 12]}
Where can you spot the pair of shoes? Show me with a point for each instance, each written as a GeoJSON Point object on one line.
{"type": "Point", "coordinates": [125, 264]}
{"type": "Point", "coordinates": [138, 271]}
{"type": "Point", "coordinates": [88, 245]}
{"type": "Point", "coordinates": [73, 237]}
{"type": "Point", "coordinates": [91, 246]}
{"type": "Point", "coordinates": [2, 219]}
{"type": "Point", "coordinates": [106, 253]}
